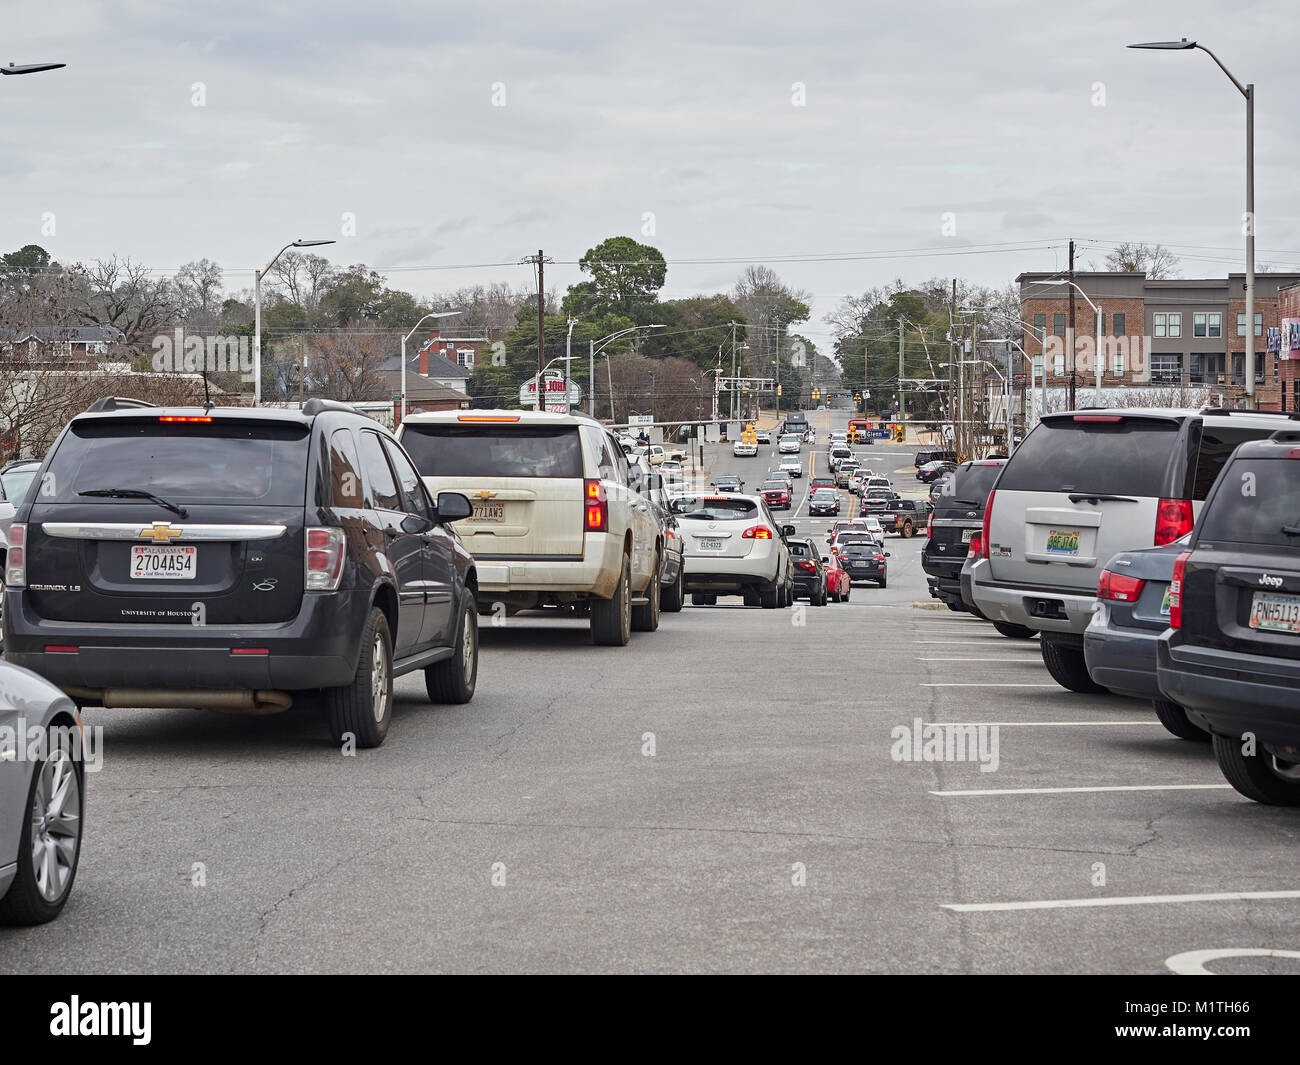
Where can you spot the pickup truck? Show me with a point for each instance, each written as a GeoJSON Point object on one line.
{"type": "Point", "coordinates": [906, 517]}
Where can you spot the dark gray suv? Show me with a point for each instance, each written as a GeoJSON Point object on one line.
{"type": "Point", "coordinates": [236, 559]}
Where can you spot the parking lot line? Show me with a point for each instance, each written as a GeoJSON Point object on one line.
{"type": "Point", "coordinates": [1000, 658]}
{"type": "Point", "coordinates": [1119, 900]}
{"type": "Point", "coordinates": [1033, 724]}
{"type": "Point", "coordinates": [972, 684]}
{"type": "Point", "coordinates": [1078, 791]}
{"type": "Point", "coordinates": [1025, 646]}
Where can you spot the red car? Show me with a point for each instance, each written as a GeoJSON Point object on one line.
{"type": "Point", "coordinates": [838, 582]}
{"type": "Point", "coordinates": [776, 494]}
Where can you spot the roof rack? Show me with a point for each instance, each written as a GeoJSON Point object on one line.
{"type": "Point", "coordinates": [316, 406]}
{"type": "Point", "coordinates": [118, 403]}
{"type": "Point", "coordinates": [1286, 436]}
{"type": "Point", "coordinates": [1293, 415]}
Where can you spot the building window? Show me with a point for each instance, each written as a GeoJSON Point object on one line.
{"type": "Point", "coordinates": [1241, 325]}
{"type": "Point", "coordinates": [1166, 368]}
{"type": "Point", "coordinates": [1040, 325]}
{"type": "Point", "coordinates": [1117, 364]}
{"type": "Point", "coordinates": [1038, 367]}
{"type": "Point", "coordinates": [1216, 325]}
{"type": "Point", "coordinates": [1117, 325]}
{"type": "Point", "coordinates": [1058, 325]}
{"type": "Point", "coordinates": [1058, 365]}
{"type": "Point", "coordinates": [465, 357]}
{"type": "Point", "coordinates": [1175, 325]}
{"type": "Point", "coordinates": [1198, 324]}
{"type": "Point", "coordinates": [1158, 325]}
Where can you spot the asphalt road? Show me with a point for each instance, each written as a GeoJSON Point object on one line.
{"type": "Point", "coordinates": [769, 829]}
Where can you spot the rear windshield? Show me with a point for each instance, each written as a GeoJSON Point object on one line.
{"type": "Point", "coordinates": [1217, 444]}
{"type": "Point", "coordinates": [1259, 500]}
{"type": "Point", "coordinates": [799, 549]}
{"type": "Point", "coordinates": [713, 508]}
{"type": "Point", "coordinates": [971, 486]}
{"type": "Point", "coordinates": [1128, 457]}
{"type": "Point", "coordinates": [822, 482]}
{"type": "Point", "coordinates": [774, 486]}
{"type": "Point", "coordinates": [860, 549]}
{"type": "Point", "coordinates": [824, 493]}
{"type": "Point", "coordinates": [224, 461]}
{"type": "Point", "coordinates": [488, 450]}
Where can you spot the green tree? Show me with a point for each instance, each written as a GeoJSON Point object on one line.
{"type": "Point", "coordinates": [626, 277]}
{"type": "Point", "coordinates": [695, 327]}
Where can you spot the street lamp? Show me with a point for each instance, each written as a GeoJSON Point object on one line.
{"type": "Point", "coordinates": [1096, 313]}
{"type": "Point", "coordinates": [433, 314]}
{"type": "Point", "coordinates": [1248, 91]}
{"type": "Point", "coordinates": [599, 345]}
{"type": "Point", "coordinates": [30, 68]}
{"type": "Point", "coordinates": [257, 313]}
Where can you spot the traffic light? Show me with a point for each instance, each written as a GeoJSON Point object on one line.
{"type": "Point", "coordinates": [857, 398]}
{"type": "Point", "coordinates": [778, 390]}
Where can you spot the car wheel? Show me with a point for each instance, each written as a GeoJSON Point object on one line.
{"type": "Point", "coordinates": [646, 618]}
{"type": "Point", "coordinates": [884, 582]}
{"type": "Point", "coordinates": [1175, 720]}
{"type": "Point", "coordinates": [672, 597]}
{"type": "Point", "coordinates": [363, 709]}
{"type": "Point", "coordinates": [611, 619]}
{"type": "Point", "coordinates": [1259, 776]}
{"type": "Point", "coordinates": [1067, 667]}
{"type": "Point", "coordinates": [452, 680]}
{"type": "Point", "coordinates": [1014, 632]}
{"type": "Point", "coordinates": [769, 596]}
{"type": "Point", "coordinates": [49, 847]}
{"type": "Point", "coordinates": [907, 530]}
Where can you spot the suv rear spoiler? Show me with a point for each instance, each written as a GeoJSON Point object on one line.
{"type": "Point", "coordinates": [117, 403]}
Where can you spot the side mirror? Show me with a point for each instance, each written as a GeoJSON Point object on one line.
{"type": "Point", "coordinates": [787, 530]}
{"type": "Point", "coordinates": [452, 506]}
{"type": "Point", "coordinates": [888, 555]}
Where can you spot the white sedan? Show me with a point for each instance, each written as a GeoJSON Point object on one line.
{"type": "Point", "coordinates": [790, 444]}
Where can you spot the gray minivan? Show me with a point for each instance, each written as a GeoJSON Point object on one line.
{"type": "Point", "coordinates": [1084, 486]}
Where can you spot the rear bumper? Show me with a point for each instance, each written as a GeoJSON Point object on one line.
{"type": "Point", "coordinates": [595, 573]}
{"type": "Point", "coordinates": [1123, 660]}
{"type": "Point", "coordinates": [805, 585]}
{"type": "Point", "coordinates": [947, 589]}
{"type": "Point", "coordinates": [1234, 692]}
{"type": "Point", "coordinates": [317, 649]}
{"type": "Point", "coordinates": [705, 573]}
{"type": "Point", "coordinates": [1020, 606]}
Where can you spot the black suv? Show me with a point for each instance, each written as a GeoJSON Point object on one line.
{"type": "Point", "coordinates": [1232, 652]}
{"type": "Point", "coordinates": [958, 515]}
{"type": "Point", "coordinates": [234, 559]}
{"type": "Point", "coordinates": [809, 573]}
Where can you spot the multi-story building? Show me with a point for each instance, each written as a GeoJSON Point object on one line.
{"type": "Point", "coordinates": [1175, 332]}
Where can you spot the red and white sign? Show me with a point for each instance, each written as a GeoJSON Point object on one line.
{"type": "Point", "coordinates": [555, 388]}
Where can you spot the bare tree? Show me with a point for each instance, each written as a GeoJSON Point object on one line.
{"type": "Point", "coordinates": [302, 278]}
{"type": "Point", "coordinates": [122, 294]}
{"type": "Point", "coordinates": [198, 292]}
{"type": "Point", "coordinates": [347, 364]}
{"type": "Point", "coordinates": [1158, 262]}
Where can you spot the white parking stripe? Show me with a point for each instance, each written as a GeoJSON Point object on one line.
{"type": "Point", "coordinates": [955, 684]}
{"type": "Point", "coordinates": [1011, 645]}
{"type": "Point", "coordinates": [1078, 791]}
{"type": "Point", "coordinates": [945, 659]}
{"type": "Point", "coordinates": [1119, 900]}
{"type": "Point", "coordinates": [1032, 724]}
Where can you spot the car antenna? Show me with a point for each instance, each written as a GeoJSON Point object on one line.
{"type": "Point", "coordinates": [207, 397]}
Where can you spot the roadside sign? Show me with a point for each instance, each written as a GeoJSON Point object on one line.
{"type": "Point", "coordinates": [640, 419]}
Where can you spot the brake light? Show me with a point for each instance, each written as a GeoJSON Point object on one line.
{"type": "Point", "coordinates": [597, 506]}
{"type": "Point", "coordinates": [487, 417]}
{"type": "Point", "coordinates": [61, 649]}
{"type": "Point", "coordinates": [324, 558]}
{"type": "Point", "coordinates": [1119, 587]}
{"type": "Point", "coordinates": [757, 532]}
{"type": "Point", "coordinates": [16, 559]}
{"type": "Point", "coordinates": [804, 564]}
{"type": "Point", "coordinates": [1176, 592]}
{"type": "Point", "coordinates": [250, 651]}
{"type": "Point", "coordinates": [976, 543]}
{"type": "Point", "coordinates": [984, 533]}
{"type": "Point", "coordinates": [1174, 519]}
{"type": "Point", "coordinates": [929, 526]}
{"type": "Point", "coordinates": [1098, 418]}
{"type": "Point", "coordinates": [182, 418]}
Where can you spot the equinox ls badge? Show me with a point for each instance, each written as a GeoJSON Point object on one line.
{"type": "Point", "coordinates": [161, 532]}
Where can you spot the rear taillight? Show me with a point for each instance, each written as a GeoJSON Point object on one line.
{"type": "Point", "coordinates": [16, 559]}
{"type": "Point", "coordinates": [324, 558]}
{"type": "Point", "coordinates": [757, 532]}
{"type": "Point", "coordinates": [1174, 519]}
{"type": "Point", "coordinates": [929, 526]}
{"type": "Point", "coordinates": [1119, 586]}
{"type": "Point", "coordinates": [984, 533]}
{"type": "Point", "coordinates": [596, 507]}
{"type": "Point", "coordinates": [804, 564]}
{"type": "Point", "coordinates": [1176, 591]}
{"type": "Point", "coordinates": [976, 544]}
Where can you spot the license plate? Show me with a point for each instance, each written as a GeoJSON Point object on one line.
{"type": "Point", "coordinates": [1274, 612]}
{"type": "Point", "coordinates": [709, 545]}
{"type": "Point", "coordinates": [171, 563]}
{"type": "Point", "coordinates": [966, 534]}
{"type": "Point", "coordinates": [489, 512]}
{"type": "Point", "coordinates": [1164, 604]}
{"type": "Point", "coordinates": [1063, 541]}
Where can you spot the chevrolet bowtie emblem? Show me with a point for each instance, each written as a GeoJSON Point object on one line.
{"type": "Point", "coordinates": [161, 532]}
{"type": "Point", "coordinates": [485, 495]}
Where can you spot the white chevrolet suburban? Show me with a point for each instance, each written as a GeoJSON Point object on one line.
{"type": "Point", "coordinates": [560, 514]}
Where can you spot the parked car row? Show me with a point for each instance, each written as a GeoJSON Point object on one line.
{"type": "Point", "coordinates": [1156, 555]}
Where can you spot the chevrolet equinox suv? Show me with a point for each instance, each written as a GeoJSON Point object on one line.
{"type": "Point", "coordinates": [236, 559]}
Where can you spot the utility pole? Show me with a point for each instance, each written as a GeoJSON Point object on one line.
{"type": "Point", "coordinates": [733, 370]}
{"type": "Point", "coordinates": [901, 411]}
{"type": "Point", "coordinates": [540, 260]}
{"type": "Point", "coordinates": [952, 309]}
{"type": "Point", "coordinates": [1069, 338]}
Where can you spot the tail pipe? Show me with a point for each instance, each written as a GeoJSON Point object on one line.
{"type": "Point", "coordinates": [223, 700]}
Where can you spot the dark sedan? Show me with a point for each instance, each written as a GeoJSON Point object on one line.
{"type": "Point", "coordinates": [824, 501]}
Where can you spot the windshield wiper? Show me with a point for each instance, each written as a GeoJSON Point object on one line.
{"type": "Point", "coordinates": [136, 493]}
{"type": "Point", "coordinates": [1099, 497]}
{"type": "Point", "coordinates": [968, 502]}
{"type": "Point", "coordinates": [1291, 530]}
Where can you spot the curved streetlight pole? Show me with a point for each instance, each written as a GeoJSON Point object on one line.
{"type": "Point", "coordinates": [598, 345]}
{"type": "Point", "coordinates": [431, 314]}
{"type": "Point", "coordinates": [1248, 91]}
{"type": "Point", "coordinates": [1096, 315]}
{"type": "Point", "coordinates": [257, 312]}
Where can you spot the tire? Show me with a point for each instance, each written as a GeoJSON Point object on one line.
{"type": "Point", "coordinates": [847, 592]}
{"type": "Point", "coordinates": [611, 619]}
{"type": "Point", "coordinates": [907, 530]}
{"type": "Point", "coordinates": [884, 583]}
{"type": "Point", "coordinates": [821, 597]}
{"type": "Point", "coordinates": [769, 596]}
{"type": "Point", "coordinates": [1175, 720]}
{"type": "Point", "coordinates": [1014, 632]}
{"type": "Point", "coordinates": [703, 599]}
{"type": "Point", "coordinates": [1068, 668]}
{"type": "Point", "coordinates": [672, 597]}
{"type": "Point", "coordinates": [1254, 776]}
{"type": "Point", "coordinates": [452, 680]}
{"type": "Point", "coordinates": [54, 801]}
{"type": "Point", "coordinates": [364, 708]}
{"type": "Point", "coordinates": [646, 618]}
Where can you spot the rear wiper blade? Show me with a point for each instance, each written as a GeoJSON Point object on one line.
{"type": "Point", "coordinates": [1099, 497]}
{"type": "Point", "coordinates": [1291, 530]}
{"type": "Point", "coordinates": [135, 493]}
{"type": "Point", "coordinates": [968, 502]}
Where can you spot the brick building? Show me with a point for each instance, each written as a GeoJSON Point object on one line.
{"type": "Point", "coordinates": [1168, 332]}
{"type": "Point", "coordinates": [1285, 343]}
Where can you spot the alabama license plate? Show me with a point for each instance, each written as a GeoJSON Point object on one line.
{"type": "Point", "coordinates": [966, 534]}
{"type": "Point", "coordinates": [1063, 541]}
{"type": "Point", "coordinates": [710, 545]}
{"type": "Point", "coordinates": [1274, 612]}
{"type": "Point", "coordinates": [169, 563]}
{"type": "Point", "coordinates": [489, 512]}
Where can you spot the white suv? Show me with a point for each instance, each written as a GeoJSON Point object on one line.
{"type": "Point", "coordinates": [735, 547]}
{"type": "Point", "coordinates": [560, 515]}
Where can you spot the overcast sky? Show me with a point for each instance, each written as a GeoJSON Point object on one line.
{"type": "Point", "coordinates": [314, 109]}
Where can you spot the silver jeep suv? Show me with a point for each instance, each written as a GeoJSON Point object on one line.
{"type": "Point", "coordinates": [1084, 486]}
